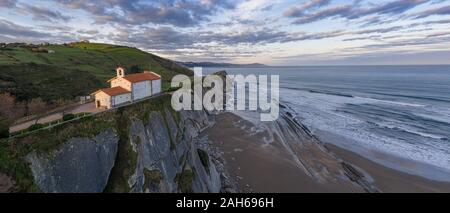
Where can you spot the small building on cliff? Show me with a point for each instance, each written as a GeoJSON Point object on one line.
{"type": "Point", "coordinates": [128, 88]}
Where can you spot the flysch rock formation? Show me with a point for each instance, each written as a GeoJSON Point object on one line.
{"type": "Point", "coordinates": [149, 148]}
{"type": "Point", "coordinates": [167, 158]}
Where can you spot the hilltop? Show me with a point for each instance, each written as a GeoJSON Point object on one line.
{"type": "Point", "coordinates": [64, 71]}
{"type": "Point", "coordinates": [212, 64]}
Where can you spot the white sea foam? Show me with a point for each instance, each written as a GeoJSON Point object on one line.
{"type": "Point", "coordinates": [319, 111]}
{"type": "Point", "coordinates": [391, 102]}
{"type": "Point", "coordinates": [340, 100]}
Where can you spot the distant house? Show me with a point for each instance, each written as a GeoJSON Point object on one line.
{"type": "Point", "coordinates": [128, 88]}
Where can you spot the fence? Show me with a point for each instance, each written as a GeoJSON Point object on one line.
{"type": "Point", "coordinates": [50, 125]}
{"type": "Point", "coordinates": [56, 110]}
{"type": "Point", "coordinates": [79, 116]}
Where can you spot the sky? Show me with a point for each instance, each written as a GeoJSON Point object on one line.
{"type": "Point", "coordinates": [272, 32]}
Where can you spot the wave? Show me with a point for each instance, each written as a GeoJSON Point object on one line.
{"type": "Point", "coordinates": [410, 131]}
{"type": "Point", "coordinates": [413, 97]}
{"type": "Point", "coordinates": [392, 102]}
{"type": "Point", "coordinates": [357, 97]}
{"type": "Point", "coordinates": [332, 93]}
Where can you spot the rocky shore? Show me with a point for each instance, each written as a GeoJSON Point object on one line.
{"type": "Point", "coordinates": [284, 156]}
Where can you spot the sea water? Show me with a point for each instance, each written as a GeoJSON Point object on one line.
{"type": "Point", "coordinates": [399, 110]}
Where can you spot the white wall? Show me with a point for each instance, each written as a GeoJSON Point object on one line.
{"type": "Point", "coordinates": [105, 100]}
{"type": "Point", "coordinates": [120, 99]}
{"type": "Point", "coordinates": [156, 86]}
{"type": "Point", "coordinates": [120, 82]}
{"type": "Point", "coordinates": [141, 90]}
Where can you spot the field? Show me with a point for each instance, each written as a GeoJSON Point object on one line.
{"type": "Point", "coordinates": [73, 69]}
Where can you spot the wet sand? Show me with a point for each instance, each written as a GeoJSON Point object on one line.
{"type": "Point", "coordinates": [259, 168]}
{"type": "Point", "coordinates": [387, 179]}
{"type": "Point", "coordinates": [269, 168]}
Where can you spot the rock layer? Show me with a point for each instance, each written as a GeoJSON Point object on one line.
{"type": "Point", "coordinates": [80, 165]}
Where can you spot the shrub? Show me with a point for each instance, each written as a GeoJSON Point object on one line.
{"type": "Point", "coordinates": [35, 127]}
{"type": "Point", "coordinates": [173, 89]}
{"type": "Point", "coordinates": [4, 129]}
{"type": "Point", "coordinates": [185, 179]}
{"type": "Point", "coordinates": [68, 117]}
{"type": "Point", "coordinates": [204, 158]}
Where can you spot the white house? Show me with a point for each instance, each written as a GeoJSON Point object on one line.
{"type": "Point", "coordinates": [128, 88]}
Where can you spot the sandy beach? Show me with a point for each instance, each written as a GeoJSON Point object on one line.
{"type": "Point", "coordinates": [387, 179]}
{"type": "Point", "coordinates": [257, 166]}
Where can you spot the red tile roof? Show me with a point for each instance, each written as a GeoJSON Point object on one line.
{"type": "Point", "coordinates": [145, 76]}
{"type": "Point", "coordinates": [138, 77]}
{"type": "Point", "coordinates": [114, 91]}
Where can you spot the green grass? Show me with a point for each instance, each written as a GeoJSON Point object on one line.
{"type": "Point", "coordinates": [27, 81]}
{"type": "Point", "coordinates": [126, 160]}
{"type": "Point", "coordinates": [185, 179]}
{"type": "Point", "coordinates": [13, 151]}
{"type": "Point", "coordinates": [76, 69]}
{"type": "Point", "coordinates": [204, 158]}
{"type": "Point", "coordinates": [152, 178]}
{"type": "Point", "coordinates": [32, 129]}
{"type": "Point", "coordinates": [4, 128]}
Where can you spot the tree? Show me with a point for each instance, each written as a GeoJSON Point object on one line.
{"type": "Point", "coordinates": [135, 69]}
{"type": "Point", "coordinates": [68, 117]}
{"type": "Point", "coordinates": [4, 128]}
{"type": "Point", "coordinates": [36, 106]}
{"type": "Point", "coordinates": [9, 108]}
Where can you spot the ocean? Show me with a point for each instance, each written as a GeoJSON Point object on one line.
{"type": "Point", "coordinates": [403, 111]}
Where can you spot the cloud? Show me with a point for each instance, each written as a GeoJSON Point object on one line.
{"type": "Point", "coordinates": [409, 42]}
{"type": "Point", "coordinates": [168, 39]}
{"type": "Point", "coordinates": [230, 29]}
{"type": "Point", "coordinates": [373, 37]}
{"type": "Point", "coordinates": [380, 30]}
{"type": "Point", "coordinates": [88, 32]}
{"type": "Point", "coordinates": [438, 34]}
{"type": "Point", "coordinates": [437, 11]}
{"type": "Point", "coordinates": [60, 28]}
{"type": "Point", "coordinates": [37, 12]}
{"type": "Point", "coordinates": [355, 11]}
{"type": "Point", "coordinates": [340, 11]}
{"type": "Point", "coordinates": [180, 13]}
{"type": "Point", "coordinates": [43, 14]}
{"type": "Point", "coordinates": [298, 10]}
{"type": "Point", "coordinates": [395, 7]}
{"type": "Point", "coordinates": [262, 36]}
{"type": "Point", "coordinates": [8, 3]}
{"type": "Point", "coordinates": [8, 28]}
{"type": "Point", "coordinates": [160, 38]}
{"type": "Point", "coordinates": [12, 32]}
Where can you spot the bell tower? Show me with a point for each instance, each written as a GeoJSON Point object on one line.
{"type": "Point", "coordinates": [120, 72]}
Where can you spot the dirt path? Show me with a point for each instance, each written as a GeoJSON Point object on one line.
{"type": "Point", "coordinates": [88, 107]}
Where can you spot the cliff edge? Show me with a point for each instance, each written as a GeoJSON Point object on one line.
{"type": "Point", "coordinates": [145, 147]}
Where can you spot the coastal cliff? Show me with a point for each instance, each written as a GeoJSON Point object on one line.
{"type": "Point", "coordinates": [148, 147]}
{"type": "Point", "coordinates": [145, 147]}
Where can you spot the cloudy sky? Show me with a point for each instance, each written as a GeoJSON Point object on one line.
{"type": "Point", "coordinates": [275, 32]}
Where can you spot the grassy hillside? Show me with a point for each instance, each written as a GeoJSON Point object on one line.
{"type": "Point", "coordinates": [73, 69]}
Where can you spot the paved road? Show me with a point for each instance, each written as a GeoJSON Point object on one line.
{"type": "Point", "coordinates": [88, 107]}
